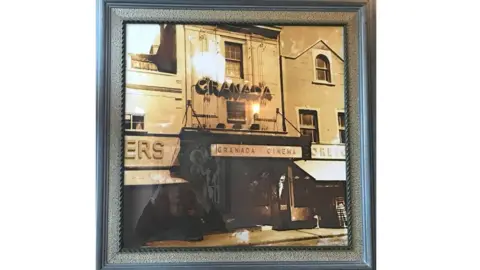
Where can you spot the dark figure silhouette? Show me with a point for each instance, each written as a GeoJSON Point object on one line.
{"type": "Point", "coordinates": [175, 214]}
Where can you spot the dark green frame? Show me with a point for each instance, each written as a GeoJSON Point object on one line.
{"type": "Point", "coordinates": [357, 16]}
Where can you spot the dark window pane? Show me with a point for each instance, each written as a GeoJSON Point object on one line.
{"type": "Point", "coordinates": [236, 111]}
{"type": "Point", "coordinates": [137, 118]}
{"type": "Point", "coordinates": [307, 119]}
{"type": "Point", "coordinates": [341, 119]}
{"type": "Point", "coordinates": [312, 133]}
{"type": "Point", "coordinates": [321, 75]}
{"type": "Point", "coordinates": [342, 136]}
{"type": "Point", "coordinates": [127, 124]}
{"type": "Point", "coordinates": [303, 188]}
{"type": "Point", "coordinates": [259, 188]}
{"type": "Point", "coordinates": [322, 68]}
{"type": "Point", "coordinates": [320, 62]}
{"type": "Point", "coordinates": [301, 194]}
{"type": "Point", "coordinates": [137, 122]}
{"type": "Point", "coordinates": [307, 132]}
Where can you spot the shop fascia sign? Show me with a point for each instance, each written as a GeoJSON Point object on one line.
{"type": "Point", "coordinates": [150, 151]}
{"type": "Point", "coordinates": [150, 177]}
{"type": "Point", "coordinates": [320, 151]}
{"type": "Point", "coordinates": [265, 151]}
{"type": "Point", "coordinates": [232, 91]}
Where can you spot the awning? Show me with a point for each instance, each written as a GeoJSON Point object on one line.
{"type": "Point", "coordinates": [151, 177]}
{"type": "Point", "coordinates": [324, 170]}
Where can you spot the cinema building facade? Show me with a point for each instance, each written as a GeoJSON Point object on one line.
{"type": "Point", "coordinates": [214, 110]}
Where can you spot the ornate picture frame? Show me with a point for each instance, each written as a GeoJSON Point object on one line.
{"type": "Point", "coordinates": [356, 17]}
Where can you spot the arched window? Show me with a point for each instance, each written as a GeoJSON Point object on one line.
{"type": "Point", "coordinates": [322, 66]}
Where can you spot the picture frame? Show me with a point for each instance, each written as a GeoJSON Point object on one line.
{"type": "Point", "coordinates": [358, 19]}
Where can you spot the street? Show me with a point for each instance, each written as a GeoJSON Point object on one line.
{"type": "Point", "coordinates": [330, 241]}
{"type": "Point", "coordinates": [303, 237]}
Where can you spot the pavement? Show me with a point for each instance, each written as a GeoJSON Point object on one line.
{"type": "Point", "coordinates": [327, 241]}
{"type": "Point", "coordinates": [301, 237]}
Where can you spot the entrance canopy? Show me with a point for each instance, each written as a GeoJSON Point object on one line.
{"type": "Point", "coordinates": [228, 144]}
{"type": "Point", "coordinates": [324, 170]}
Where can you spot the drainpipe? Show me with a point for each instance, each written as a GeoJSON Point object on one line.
{"type": "Point", "coordinates": [280, 60]}
{"type": "Point", "coordinates": [185, 77]}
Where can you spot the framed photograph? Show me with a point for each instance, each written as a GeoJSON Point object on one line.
{"type": "Point", "coordinates": [236, 134]}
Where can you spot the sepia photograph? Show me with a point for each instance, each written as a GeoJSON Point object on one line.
{"type": "Point", "coordinates": [234, 135]}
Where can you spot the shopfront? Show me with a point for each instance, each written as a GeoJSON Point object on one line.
{"type": "Point", "coordinates": [246, 175]}
{"type": "Point", "coordinates": [149, 160]}
{"type": "Point", "coordinates": [319, 186]}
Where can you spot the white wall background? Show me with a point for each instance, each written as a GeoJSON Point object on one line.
{"type": "Point", "coordinates": [48, 196]}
